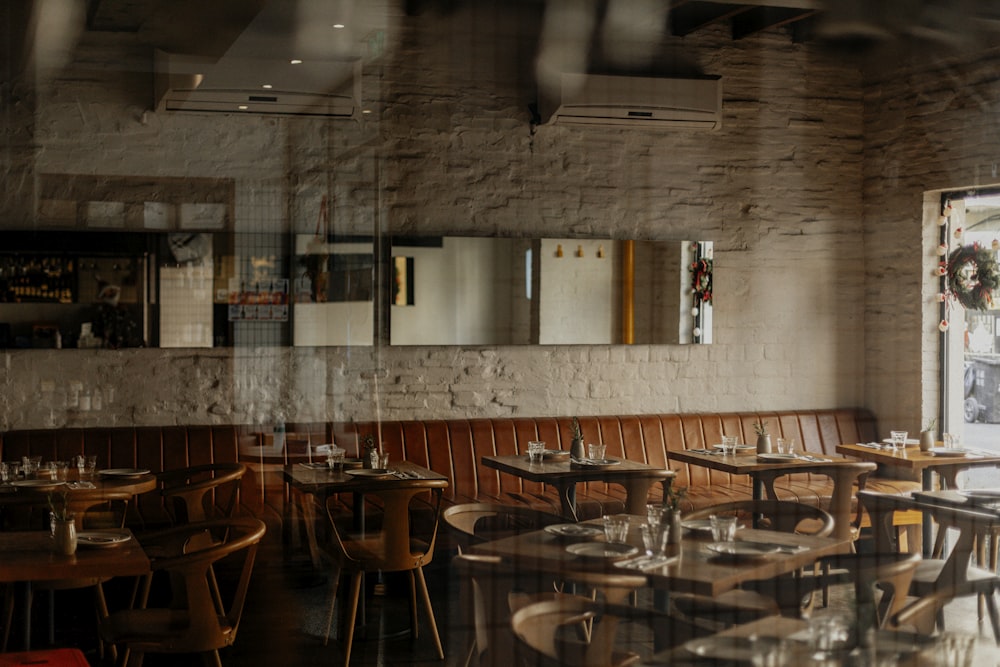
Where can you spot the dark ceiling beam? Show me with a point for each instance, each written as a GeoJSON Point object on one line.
{"type": "Point", "coordinates": [765, 18]}
{"type": "Point", "coordinates": [117, 15]}
{"type": "Point", "coordinates": [689, 17]}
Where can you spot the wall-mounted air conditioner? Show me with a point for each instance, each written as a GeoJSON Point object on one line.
{"type": "Point", "coordinates": [187, 83]}
{"type": "Point", "coordinates": [628, 101]}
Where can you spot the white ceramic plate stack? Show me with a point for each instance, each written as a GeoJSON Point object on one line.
{"type": "Point", "coordinates": [123, 472]}
{"type": "Point", "coordinates": [579, 531]}
{"type": "Point", "coordinates": [100, 539]}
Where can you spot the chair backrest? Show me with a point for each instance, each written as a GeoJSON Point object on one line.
{"type": "Point", "coordinates": [546, 632]}
{"type": "Point", "coordinates": [782, 515]}
{"type": "Point", "coordinates": [389, 543]}
{"type": "Point", "coordinates": [191, 553]}
{"type": "Point", "coordinates": [480, 522]}
{"type": "Point", "coordinates": [889, 572]}
{"type": "Point", "coordinates": [201, 492]}
{"type": "Point", "coordinates": [972, 527]}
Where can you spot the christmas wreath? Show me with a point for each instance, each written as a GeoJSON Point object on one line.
{"type": "Point", "coordinates": [972, 276]}
{"type": "Point", "coordinates": [701, 280]}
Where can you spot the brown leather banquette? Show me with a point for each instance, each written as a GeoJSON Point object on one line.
{"type": "Point", "coordinates": [454, 448]}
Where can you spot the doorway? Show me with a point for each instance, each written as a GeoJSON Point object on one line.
{"type": "Point", "coordinates": [971, 342]}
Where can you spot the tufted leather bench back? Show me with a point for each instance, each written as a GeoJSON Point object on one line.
{"type": "Point", "coordinates": [454, 447]}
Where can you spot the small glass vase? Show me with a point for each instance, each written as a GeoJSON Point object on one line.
{"type": "Point", "coordinates": [673, 517]}
{"type": "Point", "coordinates": [64, 536]}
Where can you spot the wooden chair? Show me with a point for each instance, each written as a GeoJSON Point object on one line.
{"type": "Point", "coordinates": [201, 492]}
{"type": "Point", "coordinates": [389, 547]}
{"type": "Point", "coordinates": [756, 599]}
{"type": "Point", "coordinates": [104, 509]}
{"type": "Point", "coordinates": [952, 572]}
{"type": "Point", "coordinates": [479, 522]}
{"type": "Point", "coordinates": [472, 523]}
{"type": "Point", "coordinates": [548, 632]}
{"type": "Point", "coordinates": [198, 618]}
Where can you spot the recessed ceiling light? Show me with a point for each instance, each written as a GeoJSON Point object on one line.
{"type": "Point", "coordinates": [338, 26]}
{"type": "Point", "coordinates": [242, 107]}
{"type": "Point", "coordinates": [366, 111]}
{"type": "Point", "coordinates": [295, 61]}
{"type": "Point", "coordinates": [267, 86]}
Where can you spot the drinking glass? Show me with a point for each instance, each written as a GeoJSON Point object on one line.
{"type": "Point", "coordinates": [898, 439]}
{"type": "Point", "coordinates": [954, 649]}
{"type": "Point", "coordinates": [654, 514]}
{"type": "Point", "coordinates": [729, 443]}
{"type": "Point", "coordinates": [62, 470]}
{"type": "Point", "coordinates": [536, 451]}
{"type": "Point", "coordinates": [335, 458]}
{"type": "Point", "coordinates": [383, 460]}
{"type": "Point", "coordinates": [596, 452]}
{"type": "Point", "coordinates": [829, 631]}
{"type": "Point", "coordinates": [950, 440]}
{"type": "Point", "coordinates": [723, 528]}
{"type": "Point", "coordinates": [14, 469]}
{"type": "Point", "coordinates": [615, 528]}
{"type": "Point", "coordinates": [4, 472]}
{"type": "Point", "coordinates": [654, 538]}
{"type": "Point", "coordinates": [790, 446]}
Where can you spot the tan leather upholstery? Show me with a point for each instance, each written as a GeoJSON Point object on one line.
{"type": "Point", "coordinates": [454, 447]}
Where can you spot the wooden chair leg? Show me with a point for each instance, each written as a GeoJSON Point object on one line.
{"type": "Point", "coordinates": [430, 611]}
{"type": "Point", "coordinates": [352, 615]}
{"type": "Point", "coordinates": [414, 621]}
{"type": "Point", "coordinates": [991, 607]}
{"type": "Point", "coordinates": [8, 600]}
{"type": "Point", "coordinates": [211, 659]}
{"type": "Point", "coordinates": [333, 601]}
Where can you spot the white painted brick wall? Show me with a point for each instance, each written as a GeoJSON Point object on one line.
{"type": "Point", "coordinates": [818, 300]}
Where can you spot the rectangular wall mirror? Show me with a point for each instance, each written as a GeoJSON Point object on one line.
{"type": "Point", "coordinates": [505, 291]}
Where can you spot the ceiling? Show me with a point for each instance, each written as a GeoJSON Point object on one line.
{"type": "Point", "coordinates": [259, 37]}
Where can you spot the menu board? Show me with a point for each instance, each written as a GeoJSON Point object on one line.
{"type": "Point", "coordinates": [263, 300]}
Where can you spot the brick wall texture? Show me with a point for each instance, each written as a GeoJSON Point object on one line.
{"type": "Point", "coordinates": [813, 192]}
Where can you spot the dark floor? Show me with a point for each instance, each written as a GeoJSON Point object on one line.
{"type": "Point", "coordinates": [286, 612]}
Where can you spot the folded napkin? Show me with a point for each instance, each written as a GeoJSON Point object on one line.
{"type": "Point", "coordinates": [81, 485]}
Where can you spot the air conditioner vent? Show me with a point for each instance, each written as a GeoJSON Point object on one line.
{"type": "Point", "coordinates": [623, 101]}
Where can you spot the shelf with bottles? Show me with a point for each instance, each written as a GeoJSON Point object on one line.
{"type": "Point", "coordinates": [30, 278]}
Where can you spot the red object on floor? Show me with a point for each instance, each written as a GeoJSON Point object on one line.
{"type": "Point", "coordinates": [59, 657]}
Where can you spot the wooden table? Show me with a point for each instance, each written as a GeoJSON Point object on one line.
{"type": "Point", "coordinates": [697, 570]}
{"type": "Point", "coordinates": [637, 478]}
{"type": "Point", "coordinates": [321, 482]}
{"type": "Point", "coordinates": [29, 556]}
{"type": "Point", "coordinates": [843, 471]}
{"type": "Point", "coordinates": [80, 494]}
{"type": "Point", "coordinates": [794, 632]}
{"type": "Point", "coordinates": [911, 460]}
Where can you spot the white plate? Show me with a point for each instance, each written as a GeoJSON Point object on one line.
{"type": "Point", "coordinates": [577, 530]}
{"type": "Point", "coordinates": [602, 550]}
{"type": "Point", "coordinates": [731, 649]}
{"type": "Point", "coordinates": [123, 472]}
{"type": "Point", "coordinates": [102, 538]}
{"type": "Point", "coordinates": [740, 550]}
{"type": "Point", "coordinates": [698, 525]}
{"type": "Point", "coordinates": [777, 457]}
{"type": "Point", "coordinates": [37, 483]}
{"type": "Point", "coordinates": [739, 448]}
{"type": "Point", "coordinates": [555, 454]}
{"type": "Point", "coordinates": [371, 473]}
{"type": "Point", "coordinates": [947, 451]}
{"type": "Point", "coordinates": [981, 494]}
